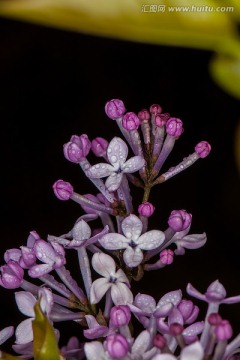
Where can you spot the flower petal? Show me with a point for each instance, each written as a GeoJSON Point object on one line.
{"type": "Point", "coordinates": [39, 270]}
{"type": "Point", "coordinates": [44, 252]}
{"type": "Point", "coordinates": [98, 290]}
{"type": "Point", "coordinates": [117, 152]}
{"type": "Point", "coordinates": [113, 181]}
{"type": "Point", "coordinates": [173, 297]}
{"type": "Point", "coordinates": [133, 164]}
{"type": "Point", "coordinates": [95, 330]}
{"type": "Point", "coordinates": [150, 240]}
{"type": "Point", "coordinates": [175, 317]}
{"type": "Point", "coordinates": [164, 357]}
{"type": "Point", "coordinates": [25, 302]}
{"type": "Point", "coordinates": [6, 333]}
{"type": "Point", "coordinates": [100, 170]}
{"type": "Point", "coordinates": [193, 241]}
{"type": "Point", "coordinates": [132, 227]}
{"type": "Point", "coordinates": [132, 257]}
{"type": "Point", "coordinates": [81, 231]}
{"type": "Point", "coordinates": [194, 329]}
{"type": "Point", "coordinates": [103, 264]}
{"type": "Point", "coordinates": [114, 241]}
{"type": "Point", "coordinates": [121, 277]}
{"type": "Point", "coordinates": [94, 350]}
{"type": "Point", "coordinates": [121, 294]}
{"type": "Point", "coordinates": [193, 351]}
{"type": "Point", "coordinates": [24, 333]}
{"type": "Point", "coordinates": [141, 343]}
{"type": "Point", "coordinates": [145, 302]}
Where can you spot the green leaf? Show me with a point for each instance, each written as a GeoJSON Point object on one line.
{"type": "Point", "coordinates": [6, 356]}
{"type": "Point", "coordinates": [44, 339]}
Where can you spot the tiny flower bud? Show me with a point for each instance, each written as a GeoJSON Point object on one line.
{"type": "Point", "coordinates": [114, 109]}
{"type": "Point", "coordinates": [223, 330]}
{"type": "Point", "coordinates": [159, 341]}
{"type": "Point", "coordinates": [11, 275]}
{"type": "Point", "coordinates": [161, 119]}
{"type": "Point", "coordinates": [155, 109]}
{"type": "Point", "coordinates": [174, 127]}
{"type": "Point", "coordinates": [203, 149]}
{"type": "Point", "coordinates": [77, 148]}
{"type": "Point", "coordinates": [188, 310]}
{"type": "Point", "coordinates": [120, 315]}
{"type": "Point", "coordinates": [179, 220]}
{"type": "Point", "coordinates": [146, 209]}
{"type": "Point", "coordinates": [144, 115]}
{"type": "Point", "coordinates": [63, 190]}
{"type": "Point", "coordinates": [166, 256]}
{"type": "Point", "coordinates": [99, 146]}
{"type": "Point", "coordinates": [117, 346]}
{"type": "Point", "coordinates": [12, 254]}
{"type": "Point", "coordinates": [130, 121]}
{"type": "Point", "coordinates": [214, 319]}
{"type": "Point", "coordinates": [176, 329]}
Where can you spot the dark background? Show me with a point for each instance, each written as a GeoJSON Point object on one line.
{"type": "Point", "coordinates": [54, 84]}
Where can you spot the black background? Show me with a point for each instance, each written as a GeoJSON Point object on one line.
{"type": "Point", "coordinates": [54, 84]}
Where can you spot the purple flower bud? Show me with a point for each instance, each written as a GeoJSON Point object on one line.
{"type": "Point", "coordinates": [77, 148]}
{"type": "Point", "coordinates": [223, 330]}
{"type": "Point", "coordinates": [12, 254]}
{"type": "Point", "coordinates": [188, 310]}
{"type": "Point", "coordinates": [176, 329]}
{"type": "Point", "coordinates": [115, 109]}
{"type": "Point", "coordinates": [99, 146]}
{"type": "Point", "coordinates": [179, 220]}
{"type": "Point", "coordinates": [146, 209]}
{"type": "Point", "coordinates": [203, 149]}
{"type": "Point", "coordinates": [120, 315]}
{"type": "Point", "coordinates": [117, 346]}
{"type": "Point", "coordinates": [174, 127]}
{"type": "Point", "coordinates": [144, 115]}
{"type": "Point", "coordinates": [166, 256]}
{"type": "Point", "coordinates": [159, 341]}
{"type": "Point", "coordinates": [11, 275]}
{"type": "Point", "coordinates": [155, 109]}
{"type": "Point", "coordinates": [28, 257]}
{"type": "Point", "coordinates": [214, 319]}
{"type": "Point", "coordinates": [130, 121]}
{"type": "Point", "coordinates": [161, 119]}
{"type": "Point", "coordinates": [63, 190]}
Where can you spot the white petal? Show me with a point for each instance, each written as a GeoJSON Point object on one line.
{"type": "Point", "coordinates": [114, 241]}
{"type": "Point", "coordinates": [113, 181]}
{"type": "Point", "coordinates": [150, 240]}
{"type": "Point", "coordinates": [117, 151]}
{"type": "Point", "coordinates": [121, 294]}
{"type": "Point", "coordinates": [25, 302]}
{"type": "Point", "coordinates": [46, 300]}
{"type": "Point", "coordinates": [81, 231]}
{"type": "Point", "coordinates": [132, 257]}
{"type": "Point", "coordinates": [100, 170]}
{"type": "Point", "coordinates": [103, 264]}
{"type": "Point", "coordinates": [121, 276]}
{"type": "Point", "coordinates": [164, 357]}
{"type": "Point", "coordinates": [94, 350]}
{"type": "Point", "coordinates": [132, 227]}
{"type": "Point", "coordinates": [98, 290]}
{"type": "Point", "coordinates": [133, 164]}
{"type": "Point", "coordinates": [141, 343]}
{"type": "Point", "coordinates": [24, 333]}
{"type": "Point", "coordinates": [193, 351]}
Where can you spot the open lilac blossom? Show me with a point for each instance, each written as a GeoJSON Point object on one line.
{"type": "Point", "coordinates": [191, 352]}
{"type": "Point", "coordinates": [117, 153]}
{"type": "Point", "coordinates": [115, 281]}
{"type": "Point", "coordinates": [133, 242]}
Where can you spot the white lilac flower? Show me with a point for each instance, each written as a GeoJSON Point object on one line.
{"type": "Point", "coordinates": [116, 282]}
{"type": "Point", "coordinates": [191, 352]}
{"type": "Point", "coordinates": [117, 153]}
{"type": "Point", "coordinates": [133, 242]}
{"type": "Point", "coordinates": [25, 302]}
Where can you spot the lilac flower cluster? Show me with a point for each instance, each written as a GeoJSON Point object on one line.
{"type": "Point", "coordinates": [112, 257]}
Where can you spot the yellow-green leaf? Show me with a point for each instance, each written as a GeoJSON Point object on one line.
{"type": "Point", "coordinates": [6, 356]}
{"type": "Point", "coordinates": [44, 339]}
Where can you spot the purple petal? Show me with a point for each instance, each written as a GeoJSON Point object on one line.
{"type": "Point", "coordinates": [24, 333]}
{"type": "Point", "coordinates": [39, 270]}
{"type": "Point", "coordinates": [163, 311]}
{"type": "Point", "coordinates": [103, 264]}
{"type": "Point", "coordinates": [114, 241]}
{"type": "Point", "coordinates": [132, 257]}
{"type": "Point", "coordinates": [81, 231]}
{"type": "Point", "coordinates": [173, 297]}
{"type": "Point", "coordinates": [194, 329]}
{"type": "Point", "coordinates": [117, 151]}
{"type": "Point", "coordinates": [145, 302]}
{"type": "Point", "coordinates": [98, 236]}
{"type": "Point", "coordinates": [121, 294]}
{"type": "Point", "coordinates": [175, 317]}
{"type": "Point", "coordinates": [98, 290]}
{"type": "Point", "coordinates": [12, 254]}
{"type": "Point", "coordinates": [150, 240]}
{"type": "Point", "coordinates": [44, 252]}
{"type": "Point", "coordinates": [231, 300]}
{"type": "Point", "coordinates": [33, 236]}
{"type": "Point", "coordinates": [95, 330]}
{"type": "Point", "coordinates": [215, 292]}
{"type": "Point", "coordinates": [6, 333]}
{"type": "Point", "coordinates": [195, 293]}
{"type": "Point", "coordinates": [94, 350]}
{"type": "Point", "coordinates": [133, 164]}
{"type": "Point", "coordinates": [194, 241]}
{"type": "Point", "coordinates": [141, 343]}
{"type": "Point", "coordinates": [25, 302]}
{"type": "Point", "coordinates": [28, 256]}
{"type": "Point", "coordinates": [132, 227]}
{"type": "Point", "coordinates": [100, 170]}
{"type": "Point", "coordinates": [113, 181]}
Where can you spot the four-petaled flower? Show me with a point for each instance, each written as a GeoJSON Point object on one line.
{"type": "Point", "coordinates": [117, 153]}
{"type": "Point", "coordinates": [117, 282]}
{"type": "Point", "coordinates": [133, 241]}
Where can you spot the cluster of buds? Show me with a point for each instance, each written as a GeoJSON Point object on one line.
{"type": "Point", "coordinates": [119, 252]}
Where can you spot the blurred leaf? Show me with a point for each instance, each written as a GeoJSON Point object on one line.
{"type": "Point", "coordinates": [9, 357]}
{"type": "Point", "coordinates": [44, 344]}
